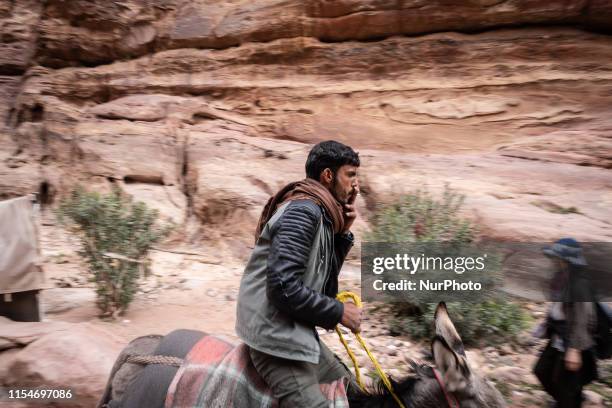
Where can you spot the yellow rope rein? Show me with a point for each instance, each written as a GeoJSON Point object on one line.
{"type": "Point", "coordinates": [343, 297]}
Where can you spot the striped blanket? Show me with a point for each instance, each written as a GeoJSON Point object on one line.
{"type": "Point", "coordinates": [218, 374]}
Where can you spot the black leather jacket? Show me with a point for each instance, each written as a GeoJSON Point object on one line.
{"type": "Point", "coordinates": [292, 239]}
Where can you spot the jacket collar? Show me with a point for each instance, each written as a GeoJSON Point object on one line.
{"type": "Point", "coordinates": [326, 217]}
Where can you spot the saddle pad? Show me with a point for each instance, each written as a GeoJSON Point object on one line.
{"type": "Point", "coordinates": [218, 374]}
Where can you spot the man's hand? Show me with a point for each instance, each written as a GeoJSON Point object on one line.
{"type": "Point", "coordinates": [351, 318]}
{"type": "Point", "coordinates": [350, 210]}
{"type": "Point", "coordinates": [573, 359]}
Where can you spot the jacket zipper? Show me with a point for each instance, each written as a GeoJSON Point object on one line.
{"type": "Point", "coordinates": [328, 272]}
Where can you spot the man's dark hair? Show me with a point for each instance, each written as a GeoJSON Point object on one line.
{"type": "Point", "coordinates": [329, 154]}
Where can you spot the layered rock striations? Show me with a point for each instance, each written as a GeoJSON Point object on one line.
{"type": "Point", "coordinates": [204, 109]}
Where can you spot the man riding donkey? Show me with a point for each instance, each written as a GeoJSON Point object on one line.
{"type": "Point", "coordinates": [291, 280]}
{"type": "Point", "coordinates": [289, 288]}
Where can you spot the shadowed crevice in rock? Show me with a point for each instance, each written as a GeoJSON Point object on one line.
{"type": "Point", "coordinates": [46, 193]}
{"type": "Point", "coordinates": [188, 176]}
{"type": "Point", "coordinates": [144, 178]}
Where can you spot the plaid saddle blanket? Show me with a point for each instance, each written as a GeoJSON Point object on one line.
{"type": "Point", "coordinates": [219, 374]}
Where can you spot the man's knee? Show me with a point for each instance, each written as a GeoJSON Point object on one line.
{"type": "Point", "coordinates": [306, 396]}
{"type": "Point", "coordinates": [331, 367]}
{"type": "Point", "coordinates": [293, 383]}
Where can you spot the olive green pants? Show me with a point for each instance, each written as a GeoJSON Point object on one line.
{"type": "Point", "coordinates": [296, 383]}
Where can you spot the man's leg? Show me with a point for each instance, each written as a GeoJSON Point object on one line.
{"type": "Point", "coordinates": [294, 383]}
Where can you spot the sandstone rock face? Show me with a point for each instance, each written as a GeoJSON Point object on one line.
{"type": "Point", "coordinates": [99, 33]}
{"type": "Point", "coordinates": [87, 32]}
{"type": "Point", "coordinates": [18, 20]}
{"type": "Point", "coordinates": [79, 357]}
{"type": "Point", "coordinates": [203, 110]}
{"type": "Point", "coordinates": [20, 334]}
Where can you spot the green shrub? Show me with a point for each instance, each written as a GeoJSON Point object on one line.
{"type": "Point", "coordinates": [116, 235]}
{"type": "Point", "coordinates": [483, 323]}
{"type": "Point", "coordinates": [419, 218]}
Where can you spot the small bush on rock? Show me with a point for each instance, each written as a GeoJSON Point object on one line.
{"type": "Point", "coordinates": [116, 235]}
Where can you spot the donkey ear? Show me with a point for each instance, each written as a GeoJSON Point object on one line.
{"type": "Point", "coordinates": [454, 367]}
{"type": "Point", "coordinates": [445, 329]}
{"type": "Point", "coordinates": [449, 353]}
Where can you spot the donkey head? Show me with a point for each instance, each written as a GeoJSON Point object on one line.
{"type": "Point", "coordinates": [455, 381]}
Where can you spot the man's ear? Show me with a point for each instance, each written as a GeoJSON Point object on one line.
{"type": "Point", "coordinates": [327, 176]}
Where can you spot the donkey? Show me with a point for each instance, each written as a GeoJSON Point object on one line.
{"type": "Point", "coordinates": [450, 383]}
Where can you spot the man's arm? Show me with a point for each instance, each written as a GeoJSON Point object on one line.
{"type": "Point", "coordinates": [292, 240]}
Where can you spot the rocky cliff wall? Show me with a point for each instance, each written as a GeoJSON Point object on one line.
{"type": "Point", "coordinates": [203, 109]}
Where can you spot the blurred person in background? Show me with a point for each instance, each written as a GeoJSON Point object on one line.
{"type": "Point", "coordinates": [568, 362]}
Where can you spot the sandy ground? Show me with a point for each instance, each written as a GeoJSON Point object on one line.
{"type": "Point", "coordinates": [197, 289]}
